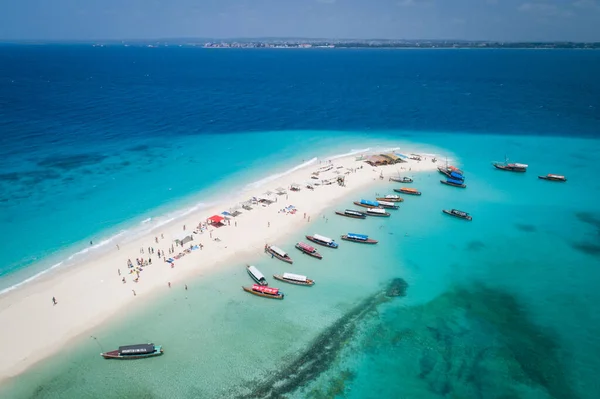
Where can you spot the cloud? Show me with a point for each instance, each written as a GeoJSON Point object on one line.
{"type": "Point", "coordinates": [544, 10]}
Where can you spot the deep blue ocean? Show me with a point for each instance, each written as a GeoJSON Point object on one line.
{"type": "Point", "coordinates": [104, 141]}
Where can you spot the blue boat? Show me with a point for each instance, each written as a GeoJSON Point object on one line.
{"type": "Point", "coordinates": [457, 176]}
{"type": "Point", "coordinates": [367, 204]}
{"type": "Point", "coordinates": [360, 238]}
{"type": "Point", "coordinates": [454, 183]}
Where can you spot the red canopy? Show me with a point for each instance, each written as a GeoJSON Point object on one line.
{"type": "Point", "coordinates": [216, 219]}
{"type": "Point", "coordinates": [266, 290]}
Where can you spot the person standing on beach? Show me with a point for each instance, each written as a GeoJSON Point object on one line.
{"type": "Point", "coordinates": [54, 301]}
{"type": "Point", "coordinates": [118, 247]}
{"type": "Point", "coordinates": [91, 242]}
{"type": "Point", "coordinates": [185, 287]}
{"type": "Point", "coordinates": [133, 292]}
{"type": "Point", "coordinates": [169, 284]}
{"type": "Point", "coordinates": [119, 271]}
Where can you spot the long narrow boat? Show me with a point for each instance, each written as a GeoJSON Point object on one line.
{"type": "Point", "coordinates": [367, 203]}
{"type": "Point", "coordinates": [139, 351]}
{"type": "Point", "coordinates": [454, 183]}
{"type": "Point", "coordinates": [360, 238]}
{"type": "Point", "coordinates": [294, 279]}
{"type": "Point", "coordinates": [387, 205]}
{"type": "Point", "coordinates": [378, 212]}
{"type": "Point", "coordinates": [351, 213]}
{"type": "Point", "coordinates": [308, 250]}
{"type": "Point", "coordinates": [409, 191]}
{"type": "Point", "coordinates": [458, 214]}
{"type": "Point", "coordinates": [278, 253]}
{"type": "Point", "coordinates": [391, 198]}
{"type": "Point", "coordinates": [322, 240]}
{"type": "Point", "coordinates": [510, 167]}
{"type": "Point", "coordinates": [399, 179]}
{"type": "Point", "coordinates": [265, 292]}
{"type": "Point", "coordinates": [450, 171]}
{"type": "Point", "coordinates": [256, 275]}
{"type": "Point", "coordinates": [552, 177]}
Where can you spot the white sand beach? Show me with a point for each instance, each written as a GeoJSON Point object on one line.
{"type": "Point", "coordinates": [92, 292]}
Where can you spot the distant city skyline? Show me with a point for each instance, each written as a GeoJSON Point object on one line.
{"type": "Point", "coordinates": [491, 20]}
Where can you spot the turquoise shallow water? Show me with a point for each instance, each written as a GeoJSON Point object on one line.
{"type": "Point", "coordinates": [504, 306]}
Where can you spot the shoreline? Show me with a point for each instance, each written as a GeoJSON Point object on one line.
{"type": "Point", "coordinates": [91, 293]}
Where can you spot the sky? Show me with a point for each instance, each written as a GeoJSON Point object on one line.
{"type": "Point", "coordinates": [504, 20]}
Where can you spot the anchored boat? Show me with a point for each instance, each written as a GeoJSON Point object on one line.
{"type": "Point", "coordinates": [378, 212]}
{"type": "Point", "coordinates": [294, 279]}
{"type": "Point", "coordinates": [458, 214]}
{"type": "Point", "coordinates": [387, 205]}
{"type": "Point", "coordinates": [409, 191]}
{"type": "Point", "coordinates": [360, 238]}
{"type": "Point", "coordinates": [256, 275]}
{"type": "Point", "coordinates": [307, 249]}
{"type": "Point", "coordinates": [399, 179]}
{"type": "Point", "coordinates": [510, 167]}
{"type": "Point", "coordinates": [351, 213]}
{"type": "Point", "coordinates": [367, 203]}
{"type": "Point", "coordinates": [278, 253]}
{"type": "Point", "coordinates": [552, 177]}
{"type": "Point", "coordinates": [138, 351]}
{"type": "Point", "coordinates": [322, 240]}
{"type": "Point", "coordinates": [454, 183]}
{"type": "Point", "coordinates": [265, 292]}
{"type": "Point", "coordinates": [391, 198]}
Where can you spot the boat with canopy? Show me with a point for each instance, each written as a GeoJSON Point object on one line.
{"type": "Point", "coordinates": [510, 167]}
{"type": "Point", "coordinates": [458, 214]}
{"type": "Point", "coordinates": [308, 250]}
{"type": "Point", "coordinates": [552, 177]}
{"type": "Point", "coordinates": [387, 205]}
{"type": "Point", "coordinates": [409, 191]}
{"type": "Point", "coordinates": [351, 213]}
{"type": "Point", "coordinates": [322, 240]}
{"type": "Point", "coordinates": [399, 179]}
{"type": "Point", "coordinates": [265, 292]}
{"type": "Point", "coordinates": [138, 351]}
{"type": "Point", "coordinates": [454, 183]}
{"type": "Point", "coordinates": [360, 238]}
{"type": "Point", "coordinates": [278, 253]}
{"type": "Point", "coordinates": [367, 203]}
{"type": "Point", "coordinates": [391, 198]}
{"type": "Point", "coordinates": [294, 279]}
{"type": "Point", "coordinates": [378, 212]}
{"type": "Point", "coordinates": [256, 275]}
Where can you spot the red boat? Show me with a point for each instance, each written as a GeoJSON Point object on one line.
{"type": "Point", "coordinates": [307, 249]}
{"type": "Point", "coordinates": [265, 292]}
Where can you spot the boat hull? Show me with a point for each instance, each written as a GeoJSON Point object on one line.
{"type": "Point", "coordinates": [552, 179]}
{"type": "Point", "coordinates": [115, 355]}
{"type": "Point", "coordinates": [403, 180]}
{"type": "Point", "coordinates": [276, 255]}
{"type": "Point", "coordinates": [510, 168]}
{"type": "Point", "coordinates": [389, 206]}
{"type": "Point", "coordinates": [313, 254]}
{"type": "Point", "coordinates": [469, 217]}
{"type": "Point", "coordinates": [453, 184]}
{"type": "Point", "coordinates": [262, 294]}
{"type": "Point", "coordinates": [350, 216]}
{"type": "Point", "coordinates": [380, 215]}
{"type": "Point", "coordinates": [390, 199]}
{"type": "Point", "coordinates": [399, 190]}
{"type": "Point", "coordinates": [308, 283]}
{"type": "Point", "coordinates": [367, 241]}
{"type": "Point", "coordinates": [365, 205]}
{"type": "Point", "coordinates": [312, 239]}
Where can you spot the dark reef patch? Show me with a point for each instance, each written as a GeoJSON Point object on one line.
{"type": "Point", "coordinates": [71, 162]}
{"type": "Point", "coordinates": [139, 148]}
{"type": "Point", "coordinates": [397, 287]}
{"type": "Point", "coordinates": [587, 248]}
{"type": "Point", "coordinates": [319, 355]}
{"type": "Point", "coordinates": [475, 245]}
{"type": "Point", "coordinates": [589, 218]}
{"type": "Point", "coordinates": [528, 228]}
